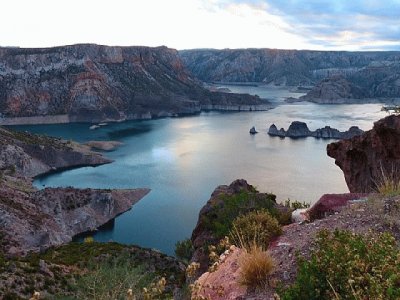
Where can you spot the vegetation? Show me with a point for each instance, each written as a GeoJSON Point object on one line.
{"type": "Point", "coordinates": [255, 228]}
{"type": "Point", "coordinates": [91, 270]}
{"type": "Point", "coordinates": [184, 250]}
{"type": "Point", "coordinates": [256, 265]}
{"type": "Point", "coordinates": [111, 279]}
{"type": "Point", "coordinates": [219, 222]}
{"type": "Point", "coordinates": [296, 204]}
{"type": "Point", "coordinates": [388, 182]}
{"type": "Point", "coordinates": [348, 266]}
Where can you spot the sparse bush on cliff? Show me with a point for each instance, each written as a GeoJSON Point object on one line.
{"type": "Point", "coordinates": [294, 204]}
{"type": "Point", "coordinates": [256, 265]}
{"type": "Point", "coordinates": [231, 206]}
{"type": "Point", "coordinates": [184, 249]}
{"type": "Point", "coordinates": [348, 266]}
{"type": "Point", "coordinates": [255, 228]}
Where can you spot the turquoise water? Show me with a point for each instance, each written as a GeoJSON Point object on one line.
{"type": "Point", "coordinates": [182, 160]}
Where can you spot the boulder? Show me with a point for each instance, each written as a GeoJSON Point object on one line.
{"type": "Point", "coordinates": [365, 159]}
{"type": "Point", "coordinates": [253, 130]}
{"type": "Point", "coordinates": [332, 203]}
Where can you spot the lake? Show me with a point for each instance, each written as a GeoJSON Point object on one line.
{"type": "Point", "coordinates": [182, 160]}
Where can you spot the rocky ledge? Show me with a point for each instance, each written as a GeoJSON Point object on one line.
{"type": "Point", "coordinates": [300, 129]}
{"type": "Point", "coordinates": [31, 219]}
{"type": "Point", "coordinates": [367, 159]}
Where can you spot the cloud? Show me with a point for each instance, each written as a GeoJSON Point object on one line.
{"type": "Point", "coordinates": [340, 24]}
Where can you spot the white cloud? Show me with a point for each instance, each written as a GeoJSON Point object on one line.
{"type": "Point", "coordinates": [179, 24]}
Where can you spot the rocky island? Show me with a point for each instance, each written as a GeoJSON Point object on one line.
{"type": "Point", "coordinates": [300, 129]}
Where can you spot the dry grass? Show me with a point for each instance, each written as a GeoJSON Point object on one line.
{"type": "Point", "coordinates": [256, 266]}
{"type": "Point", "coordinates": [388, 182]}
{"type": "Point", "coordinates": [255, 228]}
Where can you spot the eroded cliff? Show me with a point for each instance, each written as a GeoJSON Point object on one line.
{"type": "Point", "coordinates": [94, 83]}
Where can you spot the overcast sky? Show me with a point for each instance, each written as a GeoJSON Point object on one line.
{"type": "Point", "coordinates": [187, 24]}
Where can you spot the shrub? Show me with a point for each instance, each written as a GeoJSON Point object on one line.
{"type": "Point", "coordinates": [296, 204]}
{"type": "Point", "coordinates": [255, 267]}
{"type": "Point", "coordinates": [220, 218]}
{"type": "Point", "coordinates": [111, 279]}
{"type": "Point", "coordinates": [255, 228]}
{"type": "Point", "coordinates": [348, 266]}
{"type": "Point", "coordinates": [184, 249]}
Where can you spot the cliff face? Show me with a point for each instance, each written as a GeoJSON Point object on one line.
{"type": "Point", "coordinates": [362, 74]}
{"type": "Point", "coordinates": [365, 159]}
{"type": "Point", "coordinates": [31, 219]}
{"type": "Point", "coordinates": [96, 83]}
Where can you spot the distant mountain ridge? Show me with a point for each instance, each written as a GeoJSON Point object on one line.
{"type": "Point", "coordinates": [93, 83]}
{"type": "Point", "coordinates": [367, 74]}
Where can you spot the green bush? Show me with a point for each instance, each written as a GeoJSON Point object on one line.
{"type": "Point", "coordinates": [296, 204]}
{"type": "Point", "coordinates": [348, 266]}
{"type": "Point", "coordinates": [184, 249]}
{"type": "Point", "coordinates": [219, 219]}
{"type": "Point", "coordinates": [255, 228]}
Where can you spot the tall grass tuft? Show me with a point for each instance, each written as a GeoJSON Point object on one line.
{"type": "Point", "coordinates": [388, 182]}
{"type": "Point", "coordinates": [256, 266]}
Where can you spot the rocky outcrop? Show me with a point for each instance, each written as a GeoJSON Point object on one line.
{"type": "Point", "coordinates": [31, 219]}
{"type": "Point", "coordinates": [300, 129]}
{"type": "Point", "coordinates": [366, 159]}
{"type": "Point", "coordinates": [32, 155]}
{"type": "Point", "coordinates": [103, 145]}
{"type": "Point", "coordinates": [202, 235]}
{"type": "Point", "coordinates": [93, 83]}
{"type": "Point", "coordinates": [332, 203]}
{"type": "Point", "coordinates": [335, 90]}
{"type": "Point", "coordinates": [285, 67]}
{"type": "Point", "coordinates": [253, 130]}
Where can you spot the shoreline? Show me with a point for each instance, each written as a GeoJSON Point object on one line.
{"type": "Point", "coordinates": [65, 119]}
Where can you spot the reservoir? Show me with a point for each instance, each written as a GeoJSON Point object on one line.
{"type": "Point", "coordinates": [182, 160]}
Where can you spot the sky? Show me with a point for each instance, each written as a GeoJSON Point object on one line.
{"type": "Point", "coordinates": [188, 24]}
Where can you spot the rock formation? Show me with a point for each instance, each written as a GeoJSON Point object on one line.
{"type": "Point", "coordinates": [253, 130]}
{"type": "Point", "coordinates": [335, 90]}
{"type": "Point", "coordinates": [365, 159]}
{"type": "Point", "coordinates": [32, 219]}
{"type": "Point", "coordinates": [92, 83]}
{"type": "Point", "coordinates": [300, 129]}
{"type": "Point", "coordinates": [203, 236]}
{"type": "Point", "coordinates": [347, 77]}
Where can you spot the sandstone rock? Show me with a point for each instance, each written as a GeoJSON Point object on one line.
{"type": "Point", "coordinates": [93, 83]}
{"type": "Point", "coordinates": [331, 203]}
{"type": "Point", "coordinates": [347, 77]}
{"type": "Point", "coordinates": [364, 158]}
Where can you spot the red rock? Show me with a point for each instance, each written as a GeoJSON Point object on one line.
{"type": "Point", "coordinates": [363, 158]}
{"type": "Point", "coordinates": [331, 203]}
